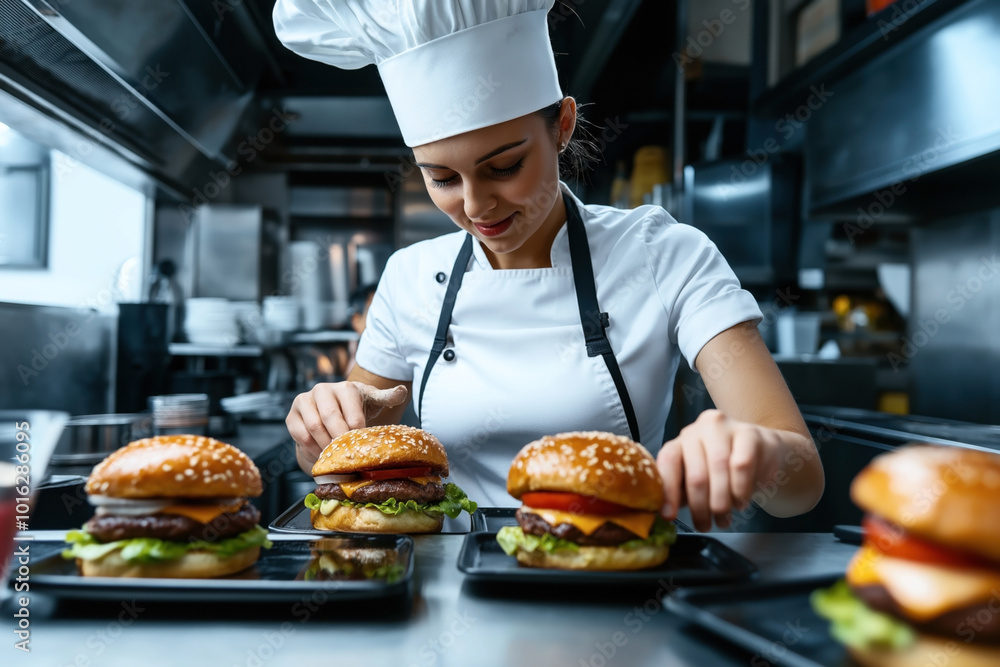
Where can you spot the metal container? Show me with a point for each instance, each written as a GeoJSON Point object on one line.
{"type": "Point", "coordinates": [88, 439]}
{"type": "Point", "coordinates": [180, 414]}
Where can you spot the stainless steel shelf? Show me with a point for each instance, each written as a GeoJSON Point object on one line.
{"type": "Point", "coordinates": [196, 350]}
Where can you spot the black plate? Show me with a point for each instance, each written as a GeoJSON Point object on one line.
{"type": "Point", "coordinates": [296, 520]}
{"type": "Point", "coordinates": [849, 534]}
{"type": "Point", "coordinates": [694, 559]}
{"type": "Point", "coordinates": [773, 620]}
{"type": "Point", "coordinates": [277, 577]}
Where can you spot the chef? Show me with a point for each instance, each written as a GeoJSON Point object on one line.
{"type": "Point", "coordinates": [541, 314]}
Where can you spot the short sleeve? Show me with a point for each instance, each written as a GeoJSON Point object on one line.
{"type": "Point", "coordinates": [697, 287]}
{"type": "Point", "coordinates": [378, 349]}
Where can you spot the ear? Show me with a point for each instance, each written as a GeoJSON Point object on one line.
{"type": "Point", "coordinates": [567, 119]}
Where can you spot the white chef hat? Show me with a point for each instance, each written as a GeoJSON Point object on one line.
{"type": "Point", "coordinates": [448, 66]}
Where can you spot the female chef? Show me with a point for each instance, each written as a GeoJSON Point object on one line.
{"type": "Point", "coordinates": [541, 314]}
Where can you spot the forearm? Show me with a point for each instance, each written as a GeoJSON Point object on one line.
{"type": "Point", "coordinates": [797, 483]}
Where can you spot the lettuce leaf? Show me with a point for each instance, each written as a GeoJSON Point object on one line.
{"type": "Point", "coordinates": [511, 537]}
{"type": "Point", "coordinates": [664, 533]}
{"type": "Point", "coordinates": [85, 546]}
{"type": "Point", "coordinates": [856, 624]}
{"type": "Point", "coordinates": [454, 503]}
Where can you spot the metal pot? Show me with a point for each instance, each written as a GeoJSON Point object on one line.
{"type": "Point", "coordinates": [88, 439]}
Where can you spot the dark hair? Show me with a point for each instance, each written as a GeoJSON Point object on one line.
{"type": "Point", "coordinates": [360, 297]}
{"type": "Point", "coordinates": [581, 152]}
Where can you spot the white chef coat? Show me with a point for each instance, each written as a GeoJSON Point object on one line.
{"type": "Point", "coordinates": [520, 368]}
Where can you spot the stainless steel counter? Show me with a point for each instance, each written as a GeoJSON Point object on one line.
{"type": "Point", "coordinates": [452, 622]}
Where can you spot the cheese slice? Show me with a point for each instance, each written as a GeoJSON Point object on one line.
{"type": "Point", "coordinates": [923, 590]}
{"type": "Point", "coordinates": [639, 523]}
{"type": "Point", "coordinates": [349, 488]}
{"type": "Point", "coordinates": [202, 513]}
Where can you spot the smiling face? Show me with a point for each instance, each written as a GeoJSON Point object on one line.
{"type": "Point", "coordinates": [501, 184]}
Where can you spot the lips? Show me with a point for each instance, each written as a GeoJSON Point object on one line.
{"type": "Point", "coordinates": [496, 228]}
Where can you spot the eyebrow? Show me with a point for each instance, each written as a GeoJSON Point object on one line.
{"type": "Point", "coordinates": [493, 153]}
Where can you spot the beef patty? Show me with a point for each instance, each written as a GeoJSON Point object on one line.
{"type": "Point", "coordinates": [109, 528]}
{"type": "Point", "coordinates": [382, 490]}
{"type": "Point", "coordinates": [608, 535]}
{"type": "Point", "coordinates": [958, 623]}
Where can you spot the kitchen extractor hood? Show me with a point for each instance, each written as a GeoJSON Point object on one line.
{"type": "Point", "coordinates": [170, 84]}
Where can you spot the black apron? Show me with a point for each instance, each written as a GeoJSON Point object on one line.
{"type": "Point", "coordinates": [594, 321]}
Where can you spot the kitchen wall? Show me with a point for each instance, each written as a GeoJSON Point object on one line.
{"type": "Point", "coordinates": [952, 347]}
{"type": "Point", "coordinates": [96, 224]}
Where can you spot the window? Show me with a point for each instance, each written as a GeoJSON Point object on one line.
{"type": "Point", "coordinates": [24, 197]}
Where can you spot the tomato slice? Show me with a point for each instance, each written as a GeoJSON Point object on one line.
{"type": "Point", "coordinates": [572, 502]}
{"type": "Point", "coordinates": [895, 542]}
{"type": "Point", "coordinates": [396, 473]}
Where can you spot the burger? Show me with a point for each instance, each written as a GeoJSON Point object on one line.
{"type": "Point", "coordinates": [384, 479]}
{"type": "Point", "coordinates": [591, 501]}
{"type": "Point", "coordinates": [924, 588]}
{"type": "Point", "coordinates": [170, 506]}
{"type": "Point", "coordinates": [329, 561]}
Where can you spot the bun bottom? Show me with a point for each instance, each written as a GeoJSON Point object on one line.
{"type": "Point", "coordinates": [596, 558]}
{"type": "Point", "coordinates": [193, 565]}
{"type": "Point", "coordinates": [931, 650]}
{"type": "Point", "coordinates": [370, 520]}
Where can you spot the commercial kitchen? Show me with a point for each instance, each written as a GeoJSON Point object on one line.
{"type": "Point", "coordinates": [195, 218]}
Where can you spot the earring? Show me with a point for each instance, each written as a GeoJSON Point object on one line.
{"type": "Point", "coordinates": [562, 146]}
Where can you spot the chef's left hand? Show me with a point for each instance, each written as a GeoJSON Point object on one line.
{"type": "Point", "coordinates": [714, 466]}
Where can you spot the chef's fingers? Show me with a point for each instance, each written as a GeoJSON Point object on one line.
{"type": "Point", "coordinates": [332, 400]}
{"type": "Point", "coordinates": [374, 400]}
{"type": "Point", "coordinates": [696, 482]}
{"type": "Point", "coordinates": [351, 399]}
{"type": "Point", "coordinates": [670, 463]}
{"type": "Point", "coordinates": [302, 414]}
{"type": "Point", "coordinates": [718, 447]}
{"type": "Point", "coordinates": [743, 466]}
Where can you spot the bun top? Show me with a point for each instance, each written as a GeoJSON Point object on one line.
{"type": "Point", "coordinates": [382, 447]}
{"type": "Point", "coordinates": [949, 495]}
{"type": "Point", "coordinates": [176, 466]}
{"type": "Point", "coordinates": [603, 465]}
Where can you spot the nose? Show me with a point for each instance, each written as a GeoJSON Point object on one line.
{"type": "Point", "coordinates": [479, 200]}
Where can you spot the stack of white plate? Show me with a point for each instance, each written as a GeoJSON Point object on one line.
{"type": "Point", "coordinates": [281, 313]}
{"type": "Point", "coordinates": [210, 322]}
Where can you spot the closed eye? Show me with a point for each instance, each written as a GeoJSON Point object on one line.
{"type": "Point", "coordinates": [440, 183]}
{"type": "Point", "coordinates": [508, 171]}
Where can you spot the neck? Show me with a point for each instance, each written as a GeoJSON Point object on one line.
{"type": "Point", "coordinates": [536, 252]}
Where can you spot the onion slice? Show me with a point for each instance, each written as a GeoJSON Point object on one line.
{"type": "Point", "coordinates": [143, 506]}
{"type": "Point", "coordinates": [337, 479]}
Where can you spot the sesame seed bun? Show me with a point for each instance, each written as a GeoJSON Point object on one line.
{"type": "Point", "coordinates": [602, 465]}
{"type": "Point", "coordinates": [949, 495]}
{"type": "Point", "coordinates": [176, 466]}
{"type": "Point", "coordinates": [382, 447]}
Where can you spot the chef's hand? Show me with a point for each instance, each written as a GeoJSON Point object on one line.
{"type": "Point", "coordinates": [329, 409]}
{"type": "Point", "coordinates": [714, 465]}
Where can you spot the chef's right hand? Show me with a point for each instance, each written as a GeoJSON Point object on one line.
{"type": "Point", "coordinates": [330, 409]}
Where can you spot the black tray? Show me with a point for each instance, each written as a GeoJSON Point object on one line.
{"type": "Point", "coordinates": [694, 559]}
{"type": "Point", "coordinates": [773, 620]}
{"type": "Point", "coordinates": [296, 520]}
{"type": "Point", "coordinates": [492, 519]}
{"type": "Point", "coordinates": [849, 534]}
{"type": "Point", "coordinates": [276, 577]}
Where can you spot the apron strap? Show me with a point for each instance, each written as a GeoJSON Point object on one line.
{"type": "Point", "coordinates": [593, 320]}
{"type": "Point", "coordinates": [441, 337]}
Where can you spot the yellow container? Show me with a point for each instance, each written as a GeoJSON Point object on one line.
{"type": "Point", "coordinates": [649, 167]}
